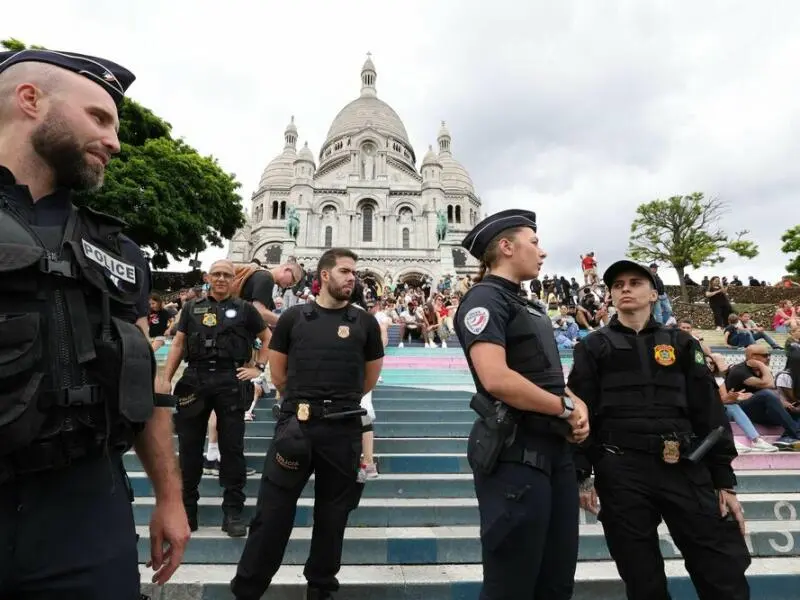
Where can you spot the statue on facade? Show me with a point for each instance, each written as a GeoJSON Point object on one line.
{"type": "Point", "coordinates": [368, 163]}
{"type": "Point", "coordinates": [293, 222]}
{"type": "Point", "coordinates": [441, 225]}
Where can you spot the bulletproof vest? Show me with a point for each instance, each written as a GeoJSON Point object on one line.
{"type": "Point", "coordinates": [640, 375]}
{"type": "Point", "coordinates": [326, 362]}
{"type": "Point", "coordinates": [70, 353]}
{"type": "Point", "coordinates": [217, 331]}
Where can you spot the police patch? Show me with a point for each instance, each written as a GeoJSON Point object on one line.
{"type": "Point", "coordinates": [344, 331]}
{"type": "Point", "coordinates": [699, 357]}
{"type": "Point", "coordinates": [664, 355]}
{"type": "Point", "coordinates": [210, 319]}
{"type": "Point", "coordinates": [476, 319]}
{"type": "Point", "coordinates": [115, 267]}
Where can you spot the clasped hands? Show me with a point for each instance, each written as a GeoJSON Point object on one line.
{"type": "Point", "coordinates": [578, 420]}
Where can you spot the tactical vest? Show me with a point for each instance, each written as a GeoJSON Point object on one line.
{"type": "Point", "coordinates": [217, 331]}
{"type": "Point", "coordinates": [71, 357]}
{"type": "Point", "coordinates": [326, 363]}
{"type": "Point", "coordinates": [531, 348]}
{"type": "Point", "coordinates": [640, 375]}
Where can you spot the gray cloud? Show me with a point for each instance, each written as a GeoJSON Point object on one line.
{"type": "Point", "coordinates": [580, 110]}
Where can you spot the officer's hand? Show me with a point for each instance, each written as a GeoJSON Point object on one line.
{"type": "Point", "coordinates": [247, 373]}
{"type": "Point", "coordinates": [162, 386]}
{"type": "Point", "coordinates": [169, 534]}
{"type": "Point", "coordinates": [729, 504]}
{"type": "Point", "coordinates": [579, 420]}
{"type": "Point", "coordinates": [588, 497]}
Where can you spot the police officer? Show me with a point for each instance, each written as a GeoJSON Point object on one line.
{"type": "Point", "coordinates": [217, 333]}
{"type": "Point", "coordinates": [324, 356]}
{"type": "Point", "coordinates": [76, 368]}
{"type": "Point", "coordinates": [653, 402]}
{"type": "Point", "coordinates": [518, 448]}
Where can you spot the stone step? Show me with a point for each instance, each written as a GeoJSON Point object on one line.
{"type": "Point", "coordinates": [436, 545]}
{"type": "Point", "coordinates": [458, 485]}
{"type": "Point", "coordinates": [395, 445]}
{"type": "Point", "coordinates": [770, 579]}
{"type": "Point", "coordinates": [431, 512]}
{"type": "Point", "coordinates": [419, 462]}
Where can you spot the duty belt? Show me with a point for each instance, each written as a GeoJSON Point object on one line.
{"type": "Point", "coordinates": [526, 456]}
{"type": "Point", "coordinates": [670, 446]}
{"type": "Point", "coordinates": [215, 364]}
{"type": "Point", "coordinates": [322, 409]}
{"type": "Point", "coordinates": [53, 453]}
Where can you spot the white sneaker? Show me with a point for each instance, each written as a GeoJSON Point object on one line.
{"type": "Point", "coordinates": [444, 344]}
{"type": "Point", "coordinates": [763, 445]}
{"type": "Point", "coordinates": [741, 448]}
{"type": "Point", "coordinates": [427, 345]}
{"type": "Point", "coordinates": [401, 345]}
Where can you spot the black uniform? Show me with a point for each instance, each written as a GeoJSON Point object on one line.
{"type": "Point", "coordinates": [327, 351]}
{"type": "Point", "coordinates": [529, 503]}
{"type": "Point", "coordinates": [219, 339]}
{"type": "Point", "coordinates": [652, 399]}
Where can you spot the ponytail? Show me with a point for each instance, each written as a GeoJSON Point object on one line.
{"type": "Point", "coordinates": [481, 272]}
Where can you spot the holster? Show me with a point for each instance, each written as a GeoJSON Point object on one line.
{"type": "Point", "coordinates": [493, 431]}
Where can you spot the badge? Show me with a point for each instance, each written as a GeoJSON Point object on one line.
{"type": "Point", "coordinates": [344, 331]}
{"type": "Point", "coordinates": [210, 319]}
{"type": "Point", "coordinates": [672, 452]}
{"type": "Point", "coordinates": [476, 320]}
{"type": "Point", "coordinates": [302, 412]}
{"type": "Point", "coordinates": [699, 357]}
{"type": "Point", "coordinates": [230, 313]}
{"type": "Point", "coordinates": [664, 355]}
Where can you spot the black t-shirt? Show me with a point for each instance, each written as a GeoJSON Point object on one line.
{"type": "Point", "coordinates": [731, 330]}
{"type": "Point", "coordinates": [259, 288]}
{"type": "Point", "coordinates": [734, 379]}
{"type": "Point", "coordinates": [302, 359]}
{"type": "Point", "coordinates": [252, 318]}
{"type": "Point", "coordinates": [158, 322]}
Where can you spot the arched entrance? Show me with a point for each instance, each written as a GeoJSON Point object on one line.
{"type": "Point", "coordinates": [371, 280]}
{"type": "Point", "coordinates": [412, 278]}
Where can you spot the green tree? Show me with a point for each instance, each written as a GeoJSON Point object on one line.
{"type": "Point", "coordinates": [684, 232]}
{"type": "Point", "coordinates": [791, 245]}
{"type": "Point", "coordinates": [175, 201]}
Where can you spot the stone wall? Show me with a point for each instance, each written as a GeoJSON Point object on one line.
{"type": "Point", "coordinates": [744, 293]}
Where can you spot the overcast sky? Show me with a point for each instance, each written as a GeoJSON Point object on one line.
{"type": "Point", "coordinates": [579, 110]}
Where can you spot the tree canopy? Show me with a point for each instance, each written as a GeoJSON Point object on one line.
{"type": "Point", "coordinates": [683, 231]}
{"type": "Point", "coordinates": [175, 201]}
{"type": "Point", "coordinates": [791, 245]}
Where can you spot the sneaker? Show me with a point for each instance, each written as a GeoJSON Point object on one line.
{"type": "Point", "coordinates": [234, 525]}
{"type": "Point", "coordinates": [249, 416]}
{"type": "Point", "coordinates": [741, 448]}
{"type": "Point", "coordinates": [370, 471]}
{"type": "Point", "coordinates": [210, 467]}
{"type": "Point", "coordinates": [250, 471]}
{"type": "Point", "coordinates": [787, 443]}
{"type": "Point", "coordinates": [763, 445]}
{"type": "Point", "coordinates": [401, 345]}
{"type": "Point", "coordinates": [444, 344]}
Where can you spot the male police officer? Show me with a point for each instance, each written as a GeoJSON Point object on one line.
{"type": "Point", "coordinates": [518, 449]}
{"type": "Point", "coordinates": [652, 402]}
{"type": "Point", "coordinates": [324, 357]}
{"type": "Point", "coordinates": [75, 370]}
{"type": "Point", "coordinates": [217, 333]}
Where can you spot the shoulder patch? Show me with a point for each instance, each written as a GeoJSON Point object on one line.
{"type": "Point", "coordinates": [476, 319]}
{"type": "Point", "coordinates": [699, 357]}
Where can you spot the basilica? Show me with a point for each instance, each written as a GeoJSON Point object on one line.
{"type": "Point", "coordinates": [365, 192]}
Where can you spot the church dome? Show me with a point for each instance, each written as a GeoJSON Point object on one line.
{"type": "Point", "coordinates": [454, 175]}
{"type": "Point", "coordinates": [430, 158]}
{"type": "Point", "coordinates": [280, 170]}
{"type": "Point", "coordinates": [305, 154]}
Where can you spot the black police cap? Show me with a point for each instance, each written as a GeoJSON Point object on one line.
{"type": "Point", "coordinates": [112, 77]}
{"type": "Point", "coordinates": [623, 266]}
{"type": "Point", "coordinates": [478, 239]}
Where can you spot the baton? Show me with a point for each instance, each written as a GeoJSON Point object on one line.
{"type": "Point", "coordinates": [711, 439]}
{"type": "Point", "coordinates": [358, 412]}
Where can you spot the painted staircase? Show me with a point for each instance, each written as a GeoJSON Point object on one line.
{"type": "Point", "coordinates": [415, 534]}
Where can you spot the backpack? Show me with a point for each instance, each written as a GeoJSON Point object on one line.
{"type": "Point", "coordinates": [241, 273]}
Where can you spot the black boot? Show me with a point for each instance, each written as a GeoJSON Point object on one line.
{"type": "Point", "coordinates": [191, 514]}
{"type": "Point", "coordinates": [313, 593]}
{"type": "Point", "coordinates": [233, 524]}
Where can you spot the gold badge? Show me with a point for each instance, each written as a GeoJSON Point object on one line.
{"type": "Point", "coordinates": [665, 355]}
{"type": "Point", "coordinates": [302, 412]}
{"type": "Point", "coordinates": [344, 331]}
{"type": "Point", "coordinates": [210, 319]}
{"type": "Point", "coordinates": [672, 452]}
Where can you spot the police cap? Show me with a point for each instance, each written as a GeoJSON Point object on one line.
{"type": "Point", "coordinates": [484, 232]}
{"type": "Point", "coordinates": [622, 266]}
{"type": "Point", "coordinates": [112, 77]}
{"type": "Point", "coordinates": [290, 454]}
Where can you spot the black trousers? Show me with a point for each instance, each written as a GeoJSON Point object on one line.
{"type": "Point", "coordinates": [69, 534]}
{"type": "Point", "coordinates": [529, 526]}
{"type": "Point", "coordinates": [636, 491]}
{"type": "Point", "coordinates": [335, 460]}
{"type": "Point", "coordinates": [221, 392]}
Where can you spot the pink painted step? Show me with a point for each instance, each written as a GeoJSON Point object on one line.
{"type": "Point", "coordinates": [412, 362]}
{"type": "Point", "coordinates": [761, 461]}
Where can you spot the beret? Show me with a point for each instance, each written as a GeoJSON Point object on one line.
{"type": "Point", "coordinates": [621, 266]}
{"type": "Point", "coordinates": [484, 232]}
{"type": "Point", "coordinates": [112, 77]}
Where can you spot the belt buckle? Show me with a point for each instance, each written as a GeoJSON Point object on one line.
{"type": "Point", "coordinates": [302, 411]}
{"type": "Point", "coordinates": [671, 451]}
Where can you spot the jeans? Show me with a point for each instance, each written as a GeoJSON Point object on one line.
{"type": "Point", "coordinates": [765, 408]}
{"type": "Point", "coordinates": [736, 414]}
{"type": "Point", "coordinates": [762, 335]}
{"type": "Point", "coordinates": [662, 309]}
{"type": "Point", "coordinates": [741, 339]}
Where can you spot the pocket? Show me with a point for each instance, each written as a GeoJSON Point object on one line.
{"type": "Point", "coordinates": [699, 480]}
{"type": "Point", "coordinates": [20, 343]}
{"type": "Point", "coordinates": [20, 417]}
{"type": "Point", "coordinates": [503, 515]}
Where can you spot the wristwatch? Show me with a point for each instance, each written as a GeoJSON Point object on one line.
{"type": "Point", "coordinates": [568, 405]}
{"type": "Point", "coordinates": [261, 366]}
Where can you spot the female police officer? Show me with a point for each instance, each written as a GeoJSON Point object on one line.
{"type": "Point", "coordinates": [519, 448]}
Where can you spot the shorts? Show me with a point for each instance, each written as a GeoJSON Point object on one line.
{"type": "Point", "coordinates": [368, 419]}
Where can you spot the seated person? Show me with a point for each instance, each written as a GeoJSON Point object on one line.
{"type": "Point", "coordinates": [746, 322]}
{"type": "Point", "coordinates": [764, 407]}
{"type": "Point", "coordinates": [735, 335]}
{"type": "Point", "coordinates": [735, 413]}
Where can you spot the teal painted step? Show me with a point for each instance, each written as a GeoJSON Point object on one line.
{"type": "Point", "coordinates": [396, 445]}
{"type": "Point", "coordinates": [429, 376]}
{"type": "Point", "coordinates": [416, 404]}
{"type": "Point", "coordinates": [455, 429]}
{"type": "Point", "coordinates": [769, 578]}
{"type": "Point", "coordinates": [451, 545]}
{"type": "Point", "coordinates": [406, 512]}
{"type": "Point", "coordinates": [386, 392]}
{"type": "Point", "coordinates": [460, 485]}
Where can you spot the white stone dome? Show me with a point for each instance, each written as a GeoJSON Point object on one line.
{"type": "Point", "coordinates": [454, 175]}
{"type": "Point", "coordinates": [305, 154]}
{"type": "Point", "coordinates": [280, 170]}
{"type": "Point", "coordinates": [430, 158]}
{"type": "Point", "coordinates": [367, 111]}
